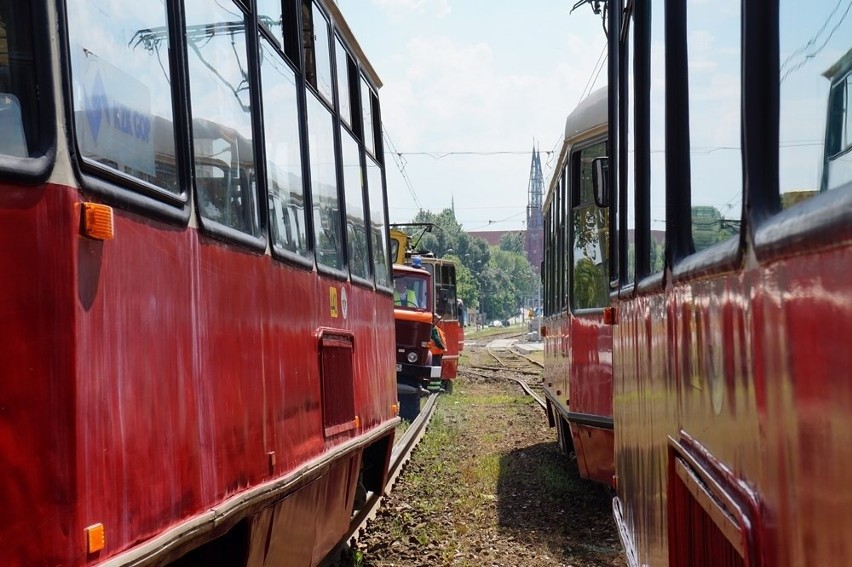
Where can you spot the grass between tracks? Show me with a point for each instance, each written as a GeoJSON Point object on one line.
{"type": "Point", "coordinates": [487, 485]}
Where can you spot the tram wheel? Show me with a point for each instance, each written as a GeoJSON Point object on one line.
{"type": "Point", "coordinates": [447, 386]}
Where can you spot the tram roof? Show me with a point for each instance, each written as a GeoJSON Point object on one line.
{"type": "Point", "coordinates": [590, 113]}
{"type": "Point", "coordinates": [352, 42]}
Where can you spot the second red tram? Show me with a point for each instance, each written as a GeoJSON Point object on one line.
{"type": "Point", "coordinates": [197, 341]}
{"type": "Point", "coordinates": [577, 337]}
{"type": "Point", "coordinates": [730, 214]}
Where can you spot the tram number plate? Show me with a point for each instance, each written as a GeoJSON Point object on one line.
{"type": "Point", "coordinates": [399, 367]}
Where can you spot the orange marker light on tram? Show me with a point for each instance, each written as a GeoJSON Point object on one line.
{"type": "Point", "coordinates": [98, 221]}
{"type": "Point", "coordinates": [95, 538]}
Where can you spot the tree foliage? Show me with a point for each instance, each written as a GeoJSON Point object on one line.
{"type": "Point", "coordinates": [495, 280]}
{"type": "Point", "coordinates": [512, 242]}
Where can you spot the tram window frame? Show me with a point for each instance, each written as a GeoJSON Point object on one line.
{"type": "Point", "coordinates": [577, 201]}
{"type": "Point", "coordinates": [315, 104]}
{"type": "Point", "coordinates": [701, 132]}
{"type": "Point", "coordinates": [354, 245]}
{"type": "Point", "coordinates": [839, 133]}
{"type": "Point", "coordinates": [372, 143]}
{"type": "Point", "coordinates": [311, 54]}
{"type": "Point", "coordinates": [347, 88]}
{"type": "Point", "coordinates": [556, 261]}
{"type": "Point", "coordinates": [40, 139]}
{"type": "Point", "coordinates": [303, 254]}
{"type": "Point", "coordinates": [626, 131]}
{"type": "Point", "coordinates": [277, 33]}
{"type": "Point", "coordinates": [112, 185]}
{"type": "Point", "coordinates": [823, 219]}
{"type": "Point", "coordinates": [254, 234]}
{"type": "Point", "coordinates": [377, 203]}
{"type": "Point", "coordinates": [547, 264]}
{"type": "Point", "coordinates": [687, 263]}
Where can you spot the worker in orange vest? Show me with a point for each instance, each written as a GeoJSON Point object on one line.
{"type": "Point", "coordinates": [438, 342]}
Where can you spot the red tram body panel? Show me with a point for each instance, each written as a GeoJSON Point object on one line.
{"type": "Point", "coordinates": [176, 392]}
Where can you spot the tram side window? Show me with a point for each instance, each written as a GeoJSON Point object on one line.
{"type": "Point", "coordinates": [271, 18]}
{"type": "Point", "coordinates": [221, 111]}
{"type": "Point", "coordinates": [317, 49]}
{"type": "Point", "coordinates": [353, 186]}
{"type": "Point", "coordinates": [562, 240]}
{"type": "Point", "coordinates": [345, 68]}
{"type": "Point", "coordinates": [121, 80]}
{"type": "Point", "coordinates": [326, 204]}
{"type": "Point", "coordinates": [549, 258]}
{"type": "Point", "coordinates": [19, 116]}
{"type": "Point", "coordinates": [369, 126]}
{"type": "Point", "coordinates": [446, 300]}
{"type": "Point", "coordinates": [838, 147]}
{"type": "Point", "coordinates": [378, 223]}
{"type": "Point", "coordinates": [285, 184]}
{"type": "Point", "coordinates": [590, 234]}
{"type": "Point", "coordinates": [714, 53]}
{"type": "Point", "coordinates": [814, 120]}
{"type": "Point", "coordinates": [628, 223]}
{"type": "Point", "coordinates": [656, 214]}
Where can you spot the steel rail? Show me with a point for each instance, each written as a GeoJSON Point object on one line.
{"type": "Point", "coordinates": [400, 454]}
{"type": "Point", "coordinates": [523, 384]}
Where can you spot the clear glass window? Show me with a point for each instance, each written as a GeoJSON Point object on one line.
{"type": "Point", "coordinates": [838, 152]}
{"type": "Point", "coordinates": [590, 234]}
{"type": "Point", "coordinates": [657, 141]}
{"type": "Point", "coordinates": [344, 107]}
{"type": "Point", "coordinates": [320, 48]}
{"type": "Point", "coordinates": [378, 223]}
{"type": "Point", "coordinates": [221, 115]}
{"type": "Point", "coordinates": [411, 292]}
{"type": "Point", "coordinates": [629, 211]}
{"type": "Point", "coordinates": [815, 55]}
{"type": "Point", "coordinates": [285, 185]}
{"type": "Point", "coordinates": [367, 116]}
{"type": "Point", "coordinates": [121, 87]}
{"type": "Point", "coordinates": [356, 227]}
{"type": "Point", "coordinates": [271, 17]}
{"type": "Point", "coordinates": [716, 172]}
{"type": "Point", "coordinates": [562, 236]}
{"type": "Point", "coordinates": [326, 204]}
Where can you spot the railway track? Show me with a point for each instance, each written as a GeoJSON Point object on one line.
{"type": "Point", "coordinates": [401, 453]}
{"type": "Point", "coordinates": [513, 368]}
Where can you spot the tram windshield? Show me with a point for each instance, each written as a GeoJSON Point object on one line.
{"type": "Point", "coordinates": [411, 291]}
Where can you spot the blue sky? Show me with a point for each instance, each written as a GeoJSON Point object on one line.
{"type": "Point", "coordinates": [486, 76]}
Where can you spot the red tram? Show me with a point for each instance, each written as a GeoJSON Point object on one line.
{"type": "Point", "coordinates": [729, 193]}
{"type": "Point", "coordinates": [577, 338]}
{"type": "Point", "coordinates": [197, 350]}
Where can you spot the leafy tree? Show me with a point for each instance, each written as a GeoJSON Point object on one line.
{"type": "Point", "coordinates": [506, 282]}
{"type": "Point", "coordinates": [447, 237]}
{"type": "Point", "coordinates": [466, 286]}
{"type": "Point", "coordinates": [512, 242]}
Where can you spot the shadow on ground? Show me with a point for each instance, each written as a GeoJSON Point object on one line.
{"type": "Point", "coordinates": [540, 495]}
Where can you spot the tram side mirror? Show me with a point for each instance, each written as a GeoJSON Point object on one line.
{"type": "Point", "coordinates": [600, 181]}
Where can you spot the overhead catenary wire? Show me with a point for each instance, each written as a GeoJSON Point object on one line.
{"type": "Point", "coordinates": [593, 76]}
{"type": "Point", "coordinates": [400, 162]}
